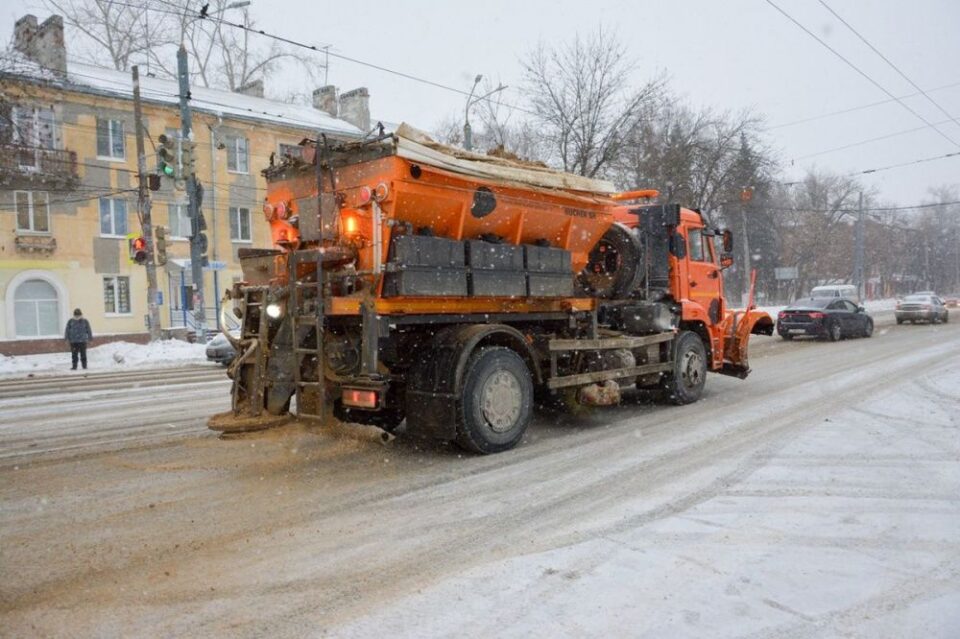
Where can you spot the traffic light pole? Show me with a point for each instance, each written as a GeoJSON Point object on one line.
{"type": "Point", "coordinates": [143, 210]}
{"type": "Point", "coordinates": [197, 238]}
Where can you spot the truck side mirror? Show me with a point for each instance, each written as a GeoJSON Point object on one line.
{"type": "Point", "coordinates": [726, 260]}
{"type": "Point", "coordinates": [727, 235]}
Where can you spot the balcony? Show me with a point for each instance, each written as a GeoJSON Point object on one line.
{"type": "Point", "coordinates": [27, 167]}
{"type": "Point", "coordinates": [42, 244]}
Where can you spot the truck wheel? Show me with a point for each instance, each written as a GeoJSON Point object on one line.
{"type": "Point", "coordinates": [685, 384]}
{"type": "Point", "coordinates": [496, 401]}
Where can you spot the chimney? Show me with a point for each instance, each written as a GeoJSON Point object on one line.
{"type": "Point", "coordinates": [42, 44]}
{"type": "Point", "coordinates": [355, 108]}
{"type": "Point", "coordinates": [253, 88]}
{"type": "Point", "coordinates": [325, 99]}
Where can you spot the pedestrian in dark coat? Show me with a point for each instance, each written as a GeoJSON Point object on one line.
{"type": "Point", "coordinates": [78, 333]}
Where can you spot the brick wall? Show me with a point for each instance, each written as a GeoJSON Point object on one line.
{"type": "Point", "coordinates": [58, 345]}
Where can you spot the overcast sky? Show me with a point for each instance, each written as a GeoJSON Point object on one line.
{"type": "Point", "coordinates": [731, 55]}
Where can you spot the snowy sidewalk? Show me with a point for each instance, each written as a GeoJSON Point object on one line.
{"type": "Point", "coordinates": [112, 357]}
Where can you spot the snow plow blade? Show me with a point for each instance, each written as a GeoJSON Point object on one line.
{"type": "Point", "coordinates": [229, 422]}
{"type": "Point", "coordinates": [738, 326]}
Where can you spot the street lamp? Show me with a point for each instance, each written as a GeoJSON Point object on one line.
{"type": "Point", "coordinates": [467, 131]}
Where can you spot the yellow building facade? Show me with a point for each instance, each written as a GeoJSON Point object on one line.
{"type": "Point", "coordinates": [68, 191]}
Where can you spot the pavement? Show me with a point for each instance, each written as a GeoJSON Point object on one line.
{"type": "Point", "coordinates": [811, 499]}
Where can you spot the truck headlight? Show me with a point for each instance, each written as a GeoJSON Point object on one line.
{"type": "Point", "coordinates": [274, 311]}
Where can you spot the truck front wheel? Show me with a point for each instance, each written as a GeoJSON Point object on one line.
{"type": "Point", "coordinates": [685, 383]}
{"type": "Point", "coordinates": [496, 401]}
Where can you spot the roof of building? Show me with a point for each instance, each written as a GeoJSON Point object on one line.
{"type": "Point", "coordinates": [119, 84]}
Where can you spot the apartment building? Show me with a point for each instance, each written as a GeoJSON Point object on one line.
{"type": "Point", "coordinates": [68, 187]}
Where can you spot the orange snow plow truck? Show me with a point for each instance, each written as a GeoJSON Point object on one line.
{"type": "Point", "coordinates": [455, 290]}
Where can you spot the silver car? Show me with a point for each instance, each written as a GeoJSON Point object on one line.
{"type": "Point", "coordinates": [921, 307]}
{"type": "Point", "coordinates": [220, 350]}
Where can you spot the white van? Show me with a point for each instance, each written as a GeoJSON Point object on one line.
{"type": "Point", "coordinates": [846, 291]}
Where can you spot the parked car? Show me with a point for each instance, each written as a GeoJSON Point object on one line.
{"type": "Point", "coordinates": [220, 350]}
{"type": "Point", "coordinates": [847, 291]}
{"type": "Point", "coordinates": [824, 318]}
{"type": "Point", "coordinates": [921, 307]}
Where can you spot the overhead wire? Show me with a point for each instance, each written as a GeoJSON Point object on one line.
{"type": "Point", "coordinates": [862, 107]}
{"type": "Point", "coordinates": [862, 73]}
{"type": "Point", "coordinates": [889, 62]}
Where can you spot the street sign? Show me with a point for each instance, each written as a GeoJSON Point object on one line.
{"type": "Point", "coordinates": [211, 265]}
{"type": "Point", "coordinates": [786, 272]}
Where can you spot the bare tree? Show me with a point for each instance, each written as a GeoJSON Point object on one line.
{"type": "Point", "coordinates": [580, 97]}
{"type": "Point", "coordinates": [121, 34]}
{"type": "Point", "coordinates": [115, 32]}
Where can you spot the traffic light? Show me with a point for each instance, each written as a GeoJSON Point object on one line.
{"type": "Point", "coordinates": [188, 162]}
{"type": "Point", "coordinates": [167, 153]}
{"type": "Point", "coordinates": [160, 244]}
{"type": "Point", "coordinates": [137, 246]}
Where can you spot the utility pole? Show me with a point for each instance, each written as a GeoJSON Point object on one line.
{"type": "Point", "coordinates": [746, 194]}
{"type": "Point", "coordinates": [197, 223]}
{"type": "Point", "coordinates": [859, 270]}
{"type": "Point", "coordinates": [143, 211]}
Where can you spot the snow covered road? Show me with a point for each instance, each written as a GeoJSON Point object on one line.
{"type": "Point", "coordinates": [817, 498]}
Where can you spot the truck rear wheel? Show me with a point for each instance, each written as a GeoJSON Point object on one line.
{"type": "Point", "coordinates": [496, 401]}
{"type": "Point", "coordinates": [685, 384]}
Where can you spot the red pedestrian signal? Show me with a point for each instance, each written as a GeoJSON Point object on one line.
{"type": "Point", "coordinates": [138, 249]}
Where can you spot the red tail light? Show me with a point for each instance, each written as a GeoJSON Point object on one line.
{"type": "Point", "coordinates": [364, 195]}
{"type": "Point", "coordinates": [359, 398]}
{"type": "Point", "coordinates": [781, 315]}
{"type": "Point", "coordinates": [816, 315]}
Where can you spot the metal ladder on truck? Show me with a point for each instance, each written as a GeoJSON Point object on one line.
{"type": "Point", "coordinates": [306, 312]}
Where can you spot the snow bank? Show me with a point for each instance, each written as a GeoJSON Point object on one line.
{"type": "Point", "coordinates": [115, 356]}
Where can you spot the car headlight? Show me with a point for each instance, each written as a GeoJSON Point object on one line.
{"type": "Point", "coordinates": [274, 311]}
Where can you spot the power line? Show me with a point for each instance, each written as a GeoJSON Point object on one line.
{"type": "Point", "coordinates": [862, 73]}
{"type": "Point", "coordinates": [402, 74]}
{"type": "Point", "coordinates": [865, 209]}
{"type": "Point", "coordinates": [891, 64]}
{"type": "Point", "coordinates": [857, 108]}
{"type": "Point", "coordinates": [862, 142]}
{"type": "Point", "coordinates": [911, 163]}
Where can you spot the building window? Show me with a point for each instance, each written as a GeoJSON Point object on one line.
{"type": "Point", "coordinates": [116, 295]}
{"type": "Point", "coordinates": [33, 211]}
{"type": "Point", "coordinates": [291, 150]}
{"type": "Point", "coordinates": [236, 154]}
{"type": "Point", "coordinates": [179, 221]}
{"type": "Point", "coordinates": [34, 129]}
{"type": "Point", "coordinates": [110, 139]}
{"type": "Point", "coordinates": [113, 216]}
{"type": "Point", "coordinates": [36, 310]}
{"type": "Point", "coordinates": [239, 224]}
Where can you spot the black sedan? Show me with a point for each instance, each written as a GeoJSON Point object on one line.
{"type": "Point", "coordinates": [824, 318]}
